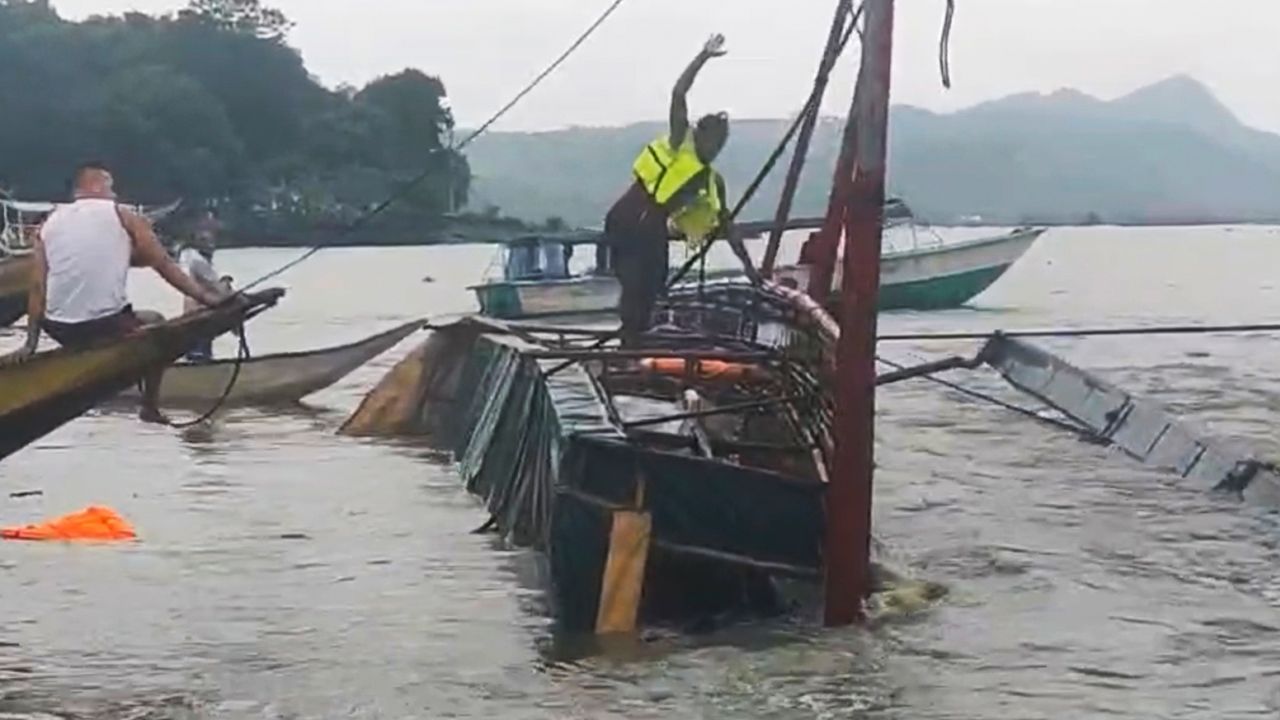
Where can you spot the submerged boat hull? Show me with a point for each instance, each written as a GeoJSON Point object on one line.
{"type": "Point", "coordinates": [272, 379]}
{"type": "Point", "coordinates": [554, 453]}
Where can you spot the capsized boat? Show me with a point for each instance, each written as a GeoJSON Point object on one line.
{"type": "Point", "coordinates": [272, 379]}
{"type": "Point", "coordinates": [922, 277]}
{"type": "Point", "coordinates": [53, 387]}
{"type": "Point", "coordinates": [681, 478]}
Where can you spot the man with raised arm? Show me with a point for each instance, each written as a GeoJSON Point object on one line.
{"type": "Point", "coordinates": [674, 188]}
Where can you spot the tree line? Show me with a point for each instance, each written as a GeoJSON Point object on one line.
{"type": "Point", "coordinates": [211, 105]}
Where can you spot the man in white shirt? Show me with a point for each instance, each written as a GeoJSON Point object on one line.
{"type": "Point", "coordinates": [196, 260]}
{"type": "Point", "coordinates": [82, 255]}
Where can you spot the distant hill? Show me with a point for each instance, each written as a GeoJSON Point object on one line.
{"type": "Point", "coordinates": [1170, 152]}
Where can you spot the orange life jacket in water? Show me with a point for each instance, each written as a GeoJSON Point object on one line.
{"type": "Point", "coordinates": [93, 524]}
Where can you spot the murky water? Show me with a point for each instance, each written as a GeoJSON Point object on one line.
{"type": "Point", "coordinates": [285, 572]}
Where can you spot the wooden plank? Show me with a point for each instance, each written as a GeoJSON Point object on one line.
{"type": "Point", "coordinates": [623, 582]}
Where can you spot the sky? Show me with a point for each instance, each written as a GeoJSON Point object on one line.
{"type": "Point", "coordinates": [486, 50]}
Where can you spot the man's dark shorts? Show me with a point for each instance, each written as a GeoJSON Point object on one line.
{"type": "Point", "coordinates": [92, 332]}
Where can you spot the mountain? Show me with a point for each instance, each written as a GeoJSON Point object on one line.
{"type": "Point", "coordinates": [1169, 152]}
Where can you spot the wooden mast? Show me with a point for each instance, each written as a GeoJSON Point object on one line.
{"type": "Point", "coordinates": [848, 508]}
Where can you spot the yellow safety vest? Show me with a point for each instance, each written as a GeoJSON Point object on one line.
{"type": "Point", "coordinates": [664, 172]}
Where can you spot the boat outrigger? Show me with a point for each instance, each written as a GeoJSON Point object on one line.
{"type": "Point", "coordinates": [276, 379]}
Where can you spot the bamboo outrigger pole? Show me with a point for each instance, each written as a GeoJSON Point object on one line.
{"type": "Point", "coordinates": [858, 198]}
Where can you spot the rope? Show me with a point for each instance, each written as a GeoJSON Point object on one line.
{"type": "Point", "coordinates": [543, 75]}
{"type": "Point", "coordinates": [944, 45]}
{"type": "Point", "coordinates": [421, 177]}
{"type": "Point", "coordinates": [976, 395]}
{"type": "Point", "coordinates": [395, 196]}
{"type": "Point", "coordinates": [242, 354]}
{"type": "Point", "coordinates": [1087, 332]}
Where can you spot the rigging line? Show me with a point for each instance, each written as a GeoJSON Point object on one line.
{"type": "Point", "coordinates": [430, 169]}
{"type": "Point", "coordinates": [812, 105]}
{"type": "Point", "coordinates": [944, 45]}
{"type": "Point", "coordinates": [242, 354]}
{"type": "Point", "coordinates": [977, 395]}
{"type": "Point", "coordinates": [543, 75]}
{"type": "Point", "coordinates": [1086, 332]}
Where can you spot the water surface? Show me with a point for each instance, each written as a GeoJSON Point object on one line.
{"type": "Point", "coordinates": [286, 572]}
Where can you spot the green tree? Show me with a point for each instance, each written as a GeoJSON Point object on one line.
{"type": "Point", "coordinates": [211, 104]}
{"type": "Point", "coordinates": [241, 16]}
{"type": "Point", "coordinates": [167, 136]}
{"type": "Point", "coordinates": [410, 106]}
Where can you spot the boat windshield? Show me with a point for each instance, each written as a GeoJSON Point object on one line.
{"type": "Point", "coordinates": [537, 260]}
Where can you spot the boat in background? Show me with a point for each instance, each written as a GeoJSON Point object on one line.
{"type": "Point", "coordinates": [20, 219]}
{"type": "Point", "coordinates": [271, 379]}
{"type": "Point", "coordinates": [47, 390]}
{"type": "Point", "coordinates": [935, 276]}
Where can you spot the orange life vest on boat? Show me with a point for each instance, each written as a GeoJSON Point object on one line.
{"type": "Point", "coordinates": [715, 370]}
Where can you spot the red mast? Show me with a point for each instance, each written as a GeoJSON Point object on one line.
{"type": "Point", "coordinates": [860, 186]}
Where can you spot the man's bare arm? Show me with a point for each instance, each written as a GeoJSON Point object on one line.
{"type": "Point", "coordinates": [679, 118]}
{"type": "Point", "coordinates": [148, 252]}
{"type": "Point", "coordinates": [36, 292]}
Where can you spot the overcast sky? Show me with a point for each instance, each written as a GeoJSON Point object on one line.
{"type": "Point", "coordinates": [485, 50]}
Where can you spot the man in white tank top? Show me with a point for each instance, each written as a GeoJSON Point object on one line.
{"type": "Point", "coordinates": [82, 257]}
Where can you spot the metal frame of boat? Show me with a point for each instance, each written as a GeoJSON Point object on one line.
{"type": "Point", "coordinates": [1141, 428]}
{"type": "Point", "coordinates": [272, 379]}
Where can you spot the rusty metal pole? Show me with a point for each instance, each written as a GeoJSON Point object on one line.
{"type": "Point", "coordinates": [844, 9]}
{"type": "Point", "coordinates": [848, 509]}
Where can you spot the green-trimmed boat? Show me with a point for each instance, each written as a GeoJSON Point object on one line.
{"type": "Point", "coordinates": [942, 276]}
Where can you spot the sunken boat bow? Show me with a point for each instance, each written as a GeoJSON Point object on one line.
{"type": "Point", "coordinates": [54, 387]}
{"type": "Point", "coordinates": [675, 480]}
